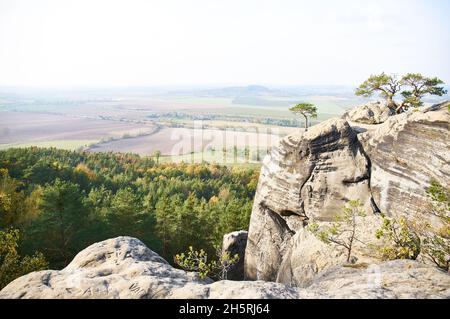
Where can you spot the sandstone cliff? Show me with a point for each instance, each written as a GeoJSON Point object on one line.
{"type": "Point", "coordinates": [312, 175]}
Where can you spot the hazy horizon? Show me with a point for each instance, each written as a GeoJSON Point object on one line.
{"type": "Point", "coordinates": [173, 43]}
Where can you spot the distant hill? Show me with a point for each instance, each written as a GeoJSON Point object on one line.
{"type": "Point", "coordinates": [263, 91]}
{"type": "Point", "coordinates": [234, 91]}
{"type": "Point", "coordinates": [229, 92]}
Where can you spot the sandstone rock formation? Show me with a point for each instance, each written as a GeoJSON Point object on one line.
{"type": "Point", "coordinates": [308, 176]}
{"type": "Point", "coordinates": [125, 268]}
{"type": "Point", "coordinates": [235, 244]}
{"type": "Point", "coordinates": [406, 152]}
{"type": "Point", "coordinates": [370, 113]}
{"type": "Point", "coordinates": [312, 175]}
{"type": "Point", "coordinates": [388, 280]}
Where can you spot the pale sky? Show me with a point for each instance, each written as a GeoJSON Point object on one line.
{"type": "Point", "coordinates": [198, 42]}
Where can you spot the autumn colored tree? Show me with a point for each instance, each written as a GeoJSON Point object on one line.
{"type": "Point", "coordinates": [12, 265]}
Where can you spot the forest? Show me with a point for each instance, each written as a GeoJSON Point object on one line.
{"type": "Point", "coordinates": [54, 203]}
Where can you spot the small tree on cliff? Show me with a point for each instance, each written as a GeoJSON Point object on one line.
{"type": "Point", "coordinates": [436, 239]}
{"type": "Point", "coordinates": [306, 110]}
{"type": "Point", "coordinates": [197, 260]}
{"type": "Point", "coordinates": [419, 87]}
{"type": "Point", "coordinates": [426, 238]}
{"type": "Point", "coordinates": [386, 85]}
{"type": "Point", "coordinates": [343, 231]}
{"type": "Point", "coordinates": [401, 240]}
{"type": "Point", "coordinates": [389, 85]}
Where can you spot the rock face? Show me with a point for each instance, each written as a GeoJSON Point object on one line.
{"type": "Point", "coordinates": [309, 175]}
{"type": "Point", "coordinates": [312, 175]}
{"type": "Point", "coordinates": [235, 244]}
{"type": "Point", "coordinates": [125, 268]}
{"type": "Point", "coordinates": [371, 113]}
{"type": "Point", "coordinates": [406, 153]}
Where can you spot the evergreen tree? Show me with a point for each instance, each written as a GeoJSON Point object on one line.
{"type": "Point", "coordinates": [62, 216]}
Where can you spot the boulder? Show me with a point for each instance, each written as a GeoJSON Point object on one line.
{"type": "Point", "coordinates": [235, 244]}
{"type": "Point", "coordinates": [370, 113]}
{"type": "Point", "coordinates": [124, 267]}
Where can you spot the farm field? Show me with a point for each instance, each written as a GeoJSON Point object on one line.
{"type": "Point", "coordinates": [23, 128]}
{"type": "Point", "coordinates": [239, 123]}
{"type": "Point", "coordinates": [181, 141]}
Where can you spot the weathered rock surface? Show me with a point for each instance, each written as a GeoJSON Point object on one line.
{"type": "Point", "coordinates": [370, 113]}
{"type": "Point", "coordinates": [406, 152]}
{"type": "Point", "coordinates": [125, 268]}
{"type": "Point", "coordinates": [235, 244]}
{"type": "Point", "coordinates": [308, 176]}
{"type": "Point", "coordinates": [397, 279]}
{"type": "Point", "coordinates": [312, 175]}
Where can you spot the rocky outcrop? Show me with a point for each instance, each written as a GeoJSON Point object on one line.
{"type": "Point", "coordinates": [406, 153]}
{"type": "Point", "coordinates": [312, 175]}
{"type": "Point", "coordinates": [397, 279]}
{"type": "Point", "coordinates": [370, 113]}
{"type": "Point", "coordinates": [308, 176]}
{"type": "Point", "coordinates": [235, 244]}
{"type": "Point", "coordinates": [125, 268]}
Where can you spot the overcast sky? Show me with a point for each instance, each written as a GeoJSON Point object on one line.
{"type": "Point", "coordinates": [197, 42]}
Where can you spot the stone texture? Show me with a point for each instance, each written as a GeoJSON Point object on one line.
{"type": "Point", "coordinates": [235, 243]}
{"type": "Point", "coordinates": [308, 176]}
{"type": "Point", "coordinates": [370, 113]}
{"type": "Point", "coordinates": [124, 267]}
{"type": "Point", "coordinates": [406, 152]}
{"type": "Point", "coordinates": [399, 279]}
{"type": "Point", "coordinates": [312, 175]}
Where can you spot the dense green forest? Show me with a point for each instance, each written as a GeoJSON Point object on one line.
{"type": "Point", "coordinates": [54, 203]}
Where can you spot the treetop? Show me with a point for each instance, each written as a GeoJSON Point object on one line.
{"type": "Point", "coordinates": [305, 108]}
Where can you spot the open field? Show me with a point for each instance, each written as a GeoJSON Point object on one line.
{"type": "Point", "coordinates": [243, 121]}
{"type": "Point", "coordinates": [21, 128]}
{"type": "Point", "coordinates": [182, 141]}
